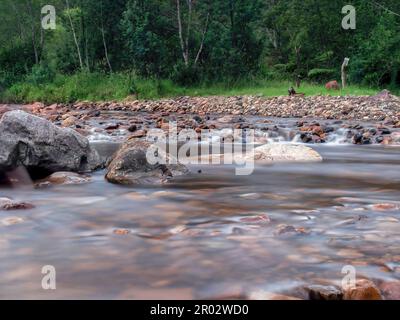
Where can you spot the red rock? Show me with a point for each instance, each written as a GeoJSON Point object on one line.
{"type": "Point", "coordinates": [256, 219]}
{"type": "Point", "coordinates": [332, 85]}
{"type": "Point", "coordinates": [385, 207]}
{"type": "Point", "coordinates": [364, 290]}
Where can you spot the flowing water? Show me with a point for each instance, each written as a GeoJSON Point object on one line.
{"type": "Point", "coordinates": [210, 234]}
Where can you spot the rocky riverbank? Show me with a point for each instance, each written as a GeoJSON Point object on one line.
{"type": "Point", "coordinates": [381, 107]}
{"type": "Point", "coordinates": [360, 120]}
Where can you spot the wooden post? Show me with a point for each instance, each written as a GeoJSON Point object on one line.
{"type": "Point", "coordinates": [344, 75]}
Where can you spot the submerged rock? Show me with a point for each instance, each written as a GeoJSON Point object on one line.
{"type": "Point", "coordinates": [63, 178]}
{"type": "Point", "coordinates": [42, 147]}
{"type": "Point", "coordinates": [285, 153]}
{"type": "Point", "coordinates": [8, 204]}
{"type": "Point", "coordinates": [130, 166]}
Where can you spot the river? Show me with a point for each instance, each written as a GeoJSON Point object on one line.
{"type": "Point", "coordinates": [211, 234]}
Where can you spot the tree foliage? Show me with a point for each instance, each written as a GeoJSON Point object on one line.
{"type": "Point", "coordinates": [201, 40]}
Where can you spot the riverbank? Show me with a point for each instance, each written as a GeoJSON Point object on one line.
{"type": "Point", "coordinates": [119, 87]}
{"type": "Point", "coordinates": [359, 120]}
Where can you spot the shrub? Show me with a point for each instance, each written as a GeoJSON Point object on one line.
{"type": "Point", "coordinates": [320, 75]}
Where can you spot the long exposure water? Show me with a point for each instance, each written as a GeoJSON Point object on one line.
{"type": "Point", "coordinates": [210, 234]}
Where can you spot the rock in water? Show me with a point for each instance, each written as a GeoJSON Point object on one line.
{"type": "Point", "coordinates": [41, 147]}
{"type": "Point", "coordinates": [63, 178]}
{"type": "Point", "coordinates": [318, 292]}
{"type": "Point", "coordinates": [130, 166]}
{"type": "Point", "coordinates": [285, 153]}
{"type": "Point", "coordinates": [364, 290]}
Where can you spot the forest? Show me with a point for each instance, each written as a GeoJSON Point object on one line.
{"type": "Point", "coordinates": [188, 43]}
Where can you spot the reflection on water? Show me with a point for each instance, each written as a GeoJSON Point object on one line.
{"type": "Point", "coordinates": [209, 235]}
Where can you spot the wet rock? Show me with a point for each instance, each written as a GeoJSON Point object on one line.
{"type": "Point", "coordinates": [63, 178]}
{"type": "Point", "coordinates": [130, 166]}
{"type": "Point", "coordinates": [42, 147]}
{"type": "Point", "coordinates": [285, 153]}
{"type": "Point", "coordinates": [256, 219]}
{"type": "Point", "coordinates": [284, 229]}
{"type": "Point", "coordinates": [385, 207]}
{"type": "Point", "coordinates": [8, 204]}
{"type": "Point", "coordinates": [385, 131]}
{"type": "Point", "coordinates": [132, 128]}
{"type": "Point", "coordinates": [112, 127]}
{"type": "Point", "coordinates": [379, 139]}
{"type": "Point", "coordinates": [391, 290]}
{"type": "Point", "coordinates": [10, 221]}
{"type": "Point", "coordinates": [121, 232]}
{"type": "Point", "coordinates": [139, 134]}
{"type": "Point", "coordinates": [69, 122]}
{"type": "Point", "coordinates": [364, 290]}
{"type": "Point", "coordinates": [318, 292]}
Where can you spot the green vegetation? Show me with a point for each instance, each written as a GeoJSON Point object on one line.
{"type": "Point", "coordinates": [102, 87]}
{"type": "Point", "coordinates": [197, 47]}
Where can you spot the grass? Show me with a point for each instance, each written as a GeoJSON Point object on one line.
{"type": "Point", "coordinates": [101, 87]}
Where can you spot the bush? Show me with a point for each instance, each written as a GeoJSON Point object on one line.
{"type": "Point", "coordinates": [185, 75]}
{"type": "Point", "coordinates": [40, 74]}
{"type": "Point", "coordinates": [321, 75]}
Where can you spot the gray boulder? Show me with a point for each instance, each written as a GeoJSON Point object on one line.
{"type": "Point", "coordinates": [130, 166]}
{"type": "Point", "coordinates": [41, 147]}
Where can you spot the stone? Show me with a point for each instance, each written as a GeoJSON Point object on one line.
{"type": "Point", "coordinates": [132, 128]}
{"type": "Point", "coordinates": [130, 166]}
{"type": "Point", "coordinates": [69, 122]}
{"type": "Point", "coordinates": [332, 85]}
{"type": "Point", "coordinates": [8, 204]}
{"type": "Point", "coordinates": [42, 147]}
{"type": "Point", "coordinates": [285, 153]}
{"type": "Point", "coordinates": [385, 207]}
{"type": "Point", "coordinates": [391, 290]}
{"type": "Point", "coordinates": [63, 178]}
{"type": "Point", "coordinates": [364, 290]}
{"type": "Point", "coordinates": [284, 229]}
{"type": "Point", "coordinates": [319, 292]}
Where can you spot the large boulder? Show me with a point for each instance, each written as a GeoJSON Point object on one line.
{"type": "Point", "coordinates": [130, 166]}
{"type": "Point", "coordinates": [41, 147]}
{"type": "Point", "coordinates": [277, 152]}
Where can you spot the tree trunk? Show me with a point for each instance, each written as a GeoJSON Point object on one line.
{"type": "Point", "coordinates": [184, 50]}
{"type": "Point", "coordinates": [74, 35]}
{"type": "Point", "coordinates": [33, 32]}
{"type": "Point", "coordinates": [202, 39]}
{"type": "Point", "coordinates": [104, 38]}
{"type": "Point", "coordinates": [344, 74]}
